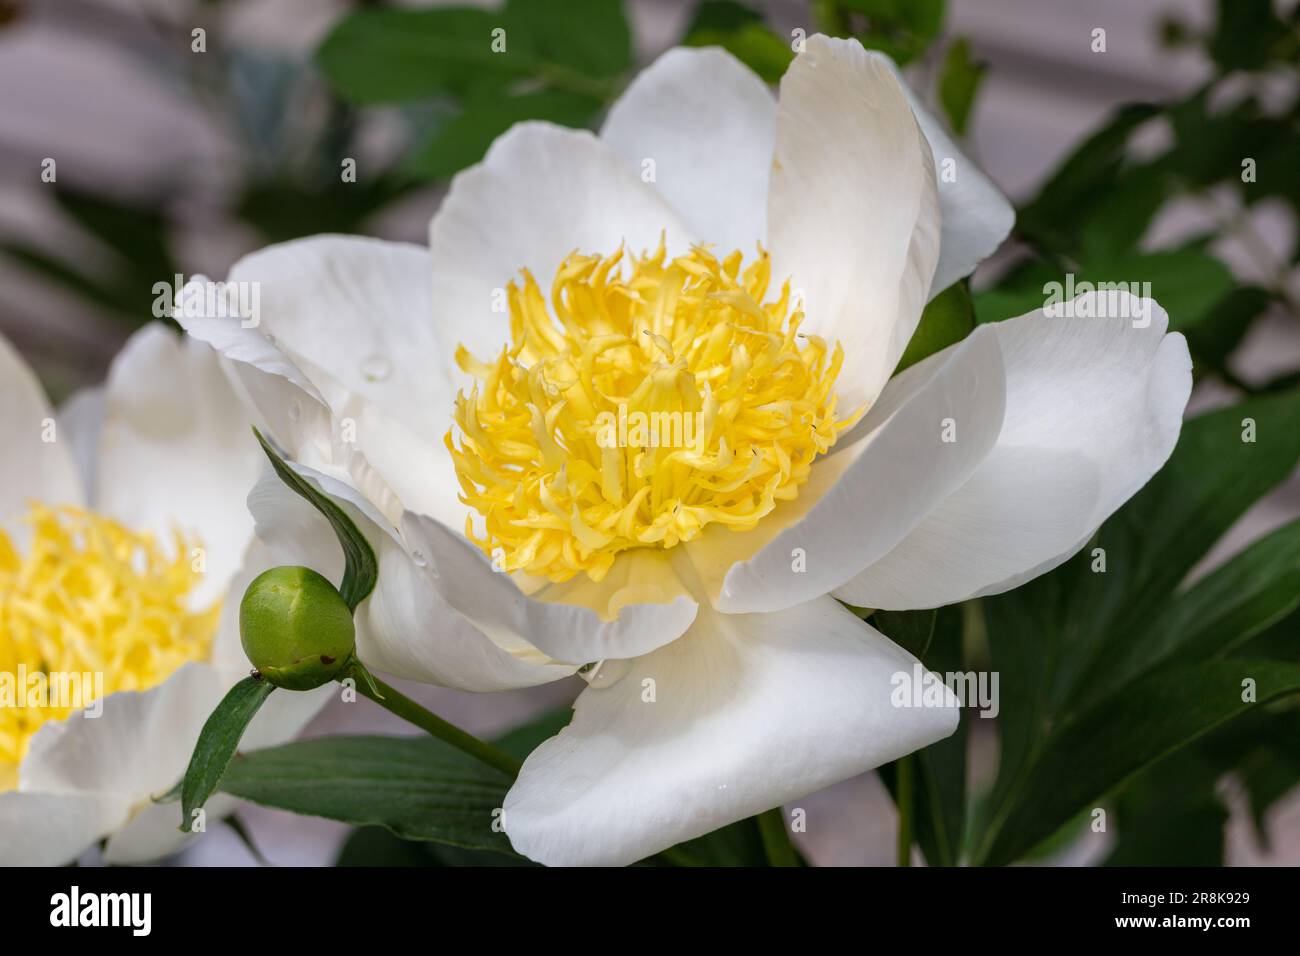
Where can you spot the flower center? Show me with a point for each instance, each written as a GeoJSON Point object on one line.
{"type": "Point", "coordinates": [92, 609]}
{"type": "Point", "coordinates": [670, 395]}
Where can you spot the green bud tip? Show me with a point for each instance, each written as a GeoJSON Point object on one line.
{"type": "Point", "coordinates": [296, 628]}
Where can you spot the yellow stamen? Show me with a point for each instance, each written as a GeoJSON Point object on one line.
{"type": "Point", "coordinates": [90, 598]}
{"type": "Point", "coordinates": [664, 397]}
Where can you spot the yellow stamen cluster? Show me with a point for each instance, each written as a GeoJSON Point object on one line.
{"type": "Point", "coordinates": [90, 597]}
{"type": "Point", "coordinates": [668, 395]}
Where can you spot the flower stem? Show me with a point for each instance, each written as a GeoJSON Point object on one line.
{"type": "Point", "coordinates": [904, 801]}
{"type": "Point", "coordinates": [398, 703]}
{"type": "Point", "coordinates": [776, 840]}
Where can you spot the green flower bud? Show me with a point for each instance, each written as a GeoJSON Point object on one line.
{"type": "Point", "coordinates": [296, 628]}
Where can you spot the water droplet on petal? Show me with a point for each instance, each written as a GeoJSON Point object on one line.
{"type": "Point", "coordinates": [295, 410]}
{"type": "Point", "coordinates": [421, 560]}
{"type": "Point", "coordinates": [376, 368]}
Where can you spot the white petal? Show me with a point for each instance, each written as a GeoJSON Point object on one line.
{"type": "Point", "coordinates": [289, 406]}
{"type": "Point", "coordinates": [227, 651]}
{"type": "Point", "coordinates": [51, 829]}
{"type": "Point", "coordinates": [748, 712]}
{"type": "Point", "coordinates": [404, 627]}
{"type": "Point", "coordinates": [853, 212]}
{"type": "Point", "coordinates": [345, 360]}
{"type": "Point", "coordinates": [863, 499]}
{"type": "Point", "coordinates": [82, 418]}
{"type": "Point", "coordinates": [976, 216]}
{"type": "Point", "coordinates": [416, 467]}
{"type": "Point", "coordinates": [1094, 408]}
{"type": "Point", "coordinates": [360, 311]}
{"type": "Point", "coordinates": [541, 193]}
{"type": "Point", "coordinates": [176, 450]}
{"type": "Point", "coordinates": [154, 832]}
{"type": "Point", "coordinates": [138, 746]}
{"type": "Point", "coordinates": [407, 629]}
{"type": "Point", "coordinates": [708, 123]}
{"type": "Point", "coordinates": [294, 413]}
{"type": "Point", "coordinates": [31, 467]}
{"type": "Point", "coordinates": [572, 633]}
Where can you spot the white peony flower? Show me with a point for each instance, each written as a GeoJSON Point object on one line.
{"type": "Point", "coordinates": [704, 575]}
{"type": "Point", "coordinates": [123, 529]}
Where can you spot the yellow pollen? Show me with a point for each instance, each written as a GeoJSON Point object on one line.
{"type": "Point", "coordinates": [666, 395]}
{"type": "Point", "coordinates": [90, 598]}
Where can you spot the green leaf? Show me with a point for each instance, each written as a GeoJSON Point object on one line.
{"type": "Point", "coordinates": [1055, 640]}
{"type": "Point", "coordinates": [464, 139]}
{"type": "Point", "coordinates": [134, 240]}
{"type": "Point", "coordinates": [245, 836]}
{"type": "Point", "coordinates": [1249, 35]}
{"type": "Point", "coordinates": [375, 846]}
{"type": "Point", "coordinates": [217, 743]}
{"type": "Point", "coordinates": [726, 16]}
{"type": "Point", "coordinates": [1117, 216]}
{"type": "Point", "coordinates": [385, 56]}
{"type": "Point", "coordinates": [362, 568]}
{"type": "Point", "coordinates": [911, 630]}
{"type": "Point", "coordinates": [777, 848]}
{"type": "Point", "coordinates": [523, 740]}
{"type": "Point", "coordinates": [1263, 753]}
{"type": "Point", "coordinates": [753, 44]}
{"type": "Point", "coordinates": [1050, 217]}
{"type": "Point", "coordinates": [1170, 815]}
{"type": "Point", "coordinates": [1210, 143]}
{"type": "Point", "coordinates": [282, 208]}
{"type": "Point", "coordinates": [1186, 282]}
{"type": "Point", "coordinates": [947, 319]}
{"type": "Point", "coordinates": [737, 844]}
{"type": "Point", "coordinates": [1122, 734]}
{"type": "Point", "coordinates": [1209, 482]}
{"type": "Point", "coordinates": [418, 788]}
{"type": "Point", "coordinates": [939, 770]}
{"type": "Point", "coordinates": [901, 28]}
{"type": "Point", "coordinates": [1251, 592]}
{"type": "Point", "coordinates": [1216, 336]}
{"type": "Point", "coordinates": [959, 81]}
{"type": "Point", "coordinates": [587, 36]}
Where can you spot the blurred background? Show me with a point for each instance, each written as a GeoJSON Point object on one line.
{"type": "Point", "coordinates": [177, 151]}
